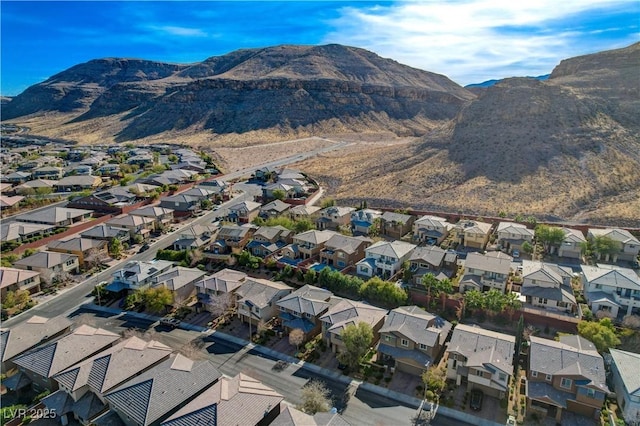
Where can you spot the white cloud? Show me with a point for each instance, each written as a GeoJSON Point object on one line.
{"type": "Point", "coordinates": [179, 31]}
{"type": "Point", "coordinates": [472, 40]}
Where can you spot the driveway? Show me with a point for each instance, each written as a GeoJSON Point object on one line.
{"type": "Point", "coordinates": [405, 383]}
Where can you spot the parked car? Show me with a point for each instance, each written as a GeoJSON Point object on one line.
{"type": "Point", "coordinates": [476, 400]}
{"type": "Point", "coordinates": [170, 322]}
{"type": "Point", "coordinates": [144, 248]}
{"type": "Point", "coordinates": [515, 254]}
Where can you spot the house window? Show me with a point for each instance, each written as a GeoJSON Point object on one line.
{"type": "Point", "coordinates": [534, 373]}
{"type": "Point", "coordinates": [69, 262]}
{"type": "Point", "coordinates": [404, 342]}
{"type": "Point", "coordinates": [502, 377]}
{"type": "Point", "coordinates": [423, 346]}
{"type": "Point", "coordinates": [565, 383]}
{"type": "Point", "coordinates": [549, 377]}
{"type": "Point", "coordinates": [479, 373]}
{"type": "Point", "coordinates": [591, 393]}
{"type": "Point", "coordinates": [543, 301]}
{"type": "Point", "coordinates": [388, 338]}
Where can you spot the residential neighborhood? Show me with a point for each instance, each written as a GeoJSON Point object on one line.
{"type": "Point", "coordinates": [482, 319]}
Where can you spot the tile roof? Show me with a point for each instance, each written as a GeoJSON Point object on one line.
{"type": "Point", "coordinates": [16, 230]}
{"type": "Point", "coordinates": [434, 221]}
{"type": "Point", "coordinates": [77, 244]}
{"type": "Point", "coordinates": [562, 293]}
{"type": "Point", "coordinates": [260, 292]}
{"type": "Point", "coordinates": [276, 205]}
{"type": "Point", "coordinates": [13, 276]}
{"type": "Point", "coordinates": [232, 231]}
{"type": "Point", "coordinates": [154, 394]}
{"type": "Point", "coordinates": [114, 365]}
{"type": "Point", "coordinates": [396, 217]}
{"type": "Point", "coordinates": [45, 259]}
{"type": "Point", "coordinates": [473, 226]}
{"type": "Point", "coordinates": [515, 228]}
{"type": "Point", "coordinates": [52, 358]}
{"type": "Point", "coordinates": [246, 205]}
{"type": "Point", "coordinates": [547, 272]}
{"type": "Point", "coordinates": [616, 234]}
{"type": "Point", "coordinates": [129, 220]}
{"type": "Point", "coordinates": [314, 236]}
{"type": "Point", "coordinates": [433, 255]}
{"type": "Point", "coordinates": [417, 325]}
{"type": "Point", "coordinates": [611, 276]}
{"type": "Point", "coordinates": [627, 366]}
{"type": "Point", "coordinates": [481, 346]}
{"type": "Point", "coordinates": [396, 249]}
{"type": "Point", "coordinates": [240, 400]}
{"type": "Point", "coordinates": [27, 334]}
{"type": "Point", "coordinates": [346, 243]}
{"type": "Point", "coordinates": [6, 201]}
{"type": "Point", "coordinates": [305, 210]}
{"type": "Point", "coordinates": [151, 211]}
{"type": "Point", "coordinates": [226, 280]}
{"type": "Point", "coordinates": [178, 277]}
{"type": "Point", "coordinates": [52, 215]}
{"type": "Point", "coordinates": [308, 299]}
{"type": "Point", "coordinates": [290, 416]}
{"type": "Point", "coordinates": [572, 355]}
{"type": "Point", "coordinates": [103, 231]}
{"type": "Point", "coordinates": [88, 406]}
{"type": "Point", "coordinates": [271, 232]}
{"type": "Point", "coordinates": [347, 312]}
{"type": "Point", "coordinates": [486, 263]}
{"type": "Point", "coordinates": [80, 181]}
{"type": "Point", "coordinates": [573, 235]}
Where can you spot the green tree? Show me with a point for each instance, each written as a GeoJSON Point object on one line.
{"type": "Point", "coordinates": [357, 339]}
{"type": "Point", "coordinates": [495, 301]}
{"type": "Point", "coordinates": [606, 246]}
{"type": "Point", "coordinates": [549, 236]}
{"type": "Point", "coordinates": [527, 247]}
{"type": "Point", "coordinates": [206, 204]}
{"type": "Point", "coordinates": [28, 252]}
{"type": "Point", "coordinates": [279, 194]}
{"type": "Point", "coordinates": [173, 159]}
{"type": "Point", "coordinates": [474, 299]}
{"type": "Point", "coordinates": [384, 293]}
{"type": "Point", "coordinates": [303, 225]}
{"type": "Point", "coordinates": [601, 333]}
{"type": "Point", "coordinates": [9, 300]}
{"type": "Point", "coordinates": [434, 380]}
{"type": "Point", "coordinates": [429, 281]}
{"type": "Point", "coordinates": [327, 202]}
{"type": "Point", "coordinates": [310, 277]}
{"type": "Point", "coordinates": [156, 299]}
{"type": "Point", "coordinates": [315, 398]}
{"type": "Point", "coordinates": [7, 260]}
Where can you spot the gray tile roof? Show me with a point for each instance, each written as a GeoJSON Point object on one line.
{"type": "Point", "coordinates": [103, 231]}
{"type": "Point", "coordinates": [481, 347]}
{"type": "Point", "coordinates": [156, 393]}
{"type": "Point", "coordinates": [515, 228]}
{"type": "Point", "coordinates": [59, 402]}
{"type": "Point", "coordinates": [547, 272]}
{"type": "Point", "coordinates": [88, 406]}
{"type": "Point", "coordinates": [276, 205]}
{"type": "Point", "coordinates": [314, 236]}
{"type": "Point", "coordinates": [396, 249]}
{"type": "Point", "coordinates": [572, 355]}
{"type": "Point", "coordinates": [178, 277]}
{"type": "Point", "coordinates": [27, 334]}
{"type": "Point", "coordinates": [15, 230]}
{"type": "Point", "coordinates": [77, 244]}
{"type": "Point", "coordinates": [232, 231]}
{"type": "Point", "coordinates": [345, 243]}
{"type": "Point", "coordinates": [113, 366]}
{"type": "Point", "coordinates": [562, 293]}
{"type": "Point", "coordinates": [616, 234]}
{"type": "Point", "coordinates": [151, 211]}
{"type": "Point", "coordinates": [611, 276]}
{"type": "Point", "coordinates": [545, 392]}
{"type": "Point", "coordinates": [308, 299]}
{"type": "Point", "coordinates": [56, 356]}
{"type": "Point", "coordinates": [52, 215]}
{"type": "Point", "coordinates": [241, 400]}
{"type": "Point", "coordinates": [271, 232]}
{"type": "Point", "coordinates": [433, 255]}
{"type": "Point", "coordinates": [500, 265]}
{"type": "Point", "coordinates": [260, 292]}
{"type": "Point", "coordinates": [417, 325]}
{"type": "Point", "coordinates": [347, 312]}
{"type": "Point", "coordinates": [396, 217]}
{"type": "Point", "coordinates": [225, 281]}
{"type": "Point", "coordinates": [44, 259]}
{"type": "Point", "coordinates": [627, 364]}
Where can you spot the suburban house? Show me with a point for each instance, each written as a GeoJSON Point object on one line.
{"type": "Point", "coordinates": [216, 293]}
{"type": "Point", "coordinates": [181, 281]}
{"type": "Point", "coordinates": [45, 361]}
{"type": "Point", "coordinates": [12, 279]}
{"type": "Point", "coordinates": [511, 236]}
{"type": "Point", "coordinates": [629, 245]}
{"type": "Point", "coordinates": [56, 216]}
{"type": "Point", "coordinates": [396, 225]}
{"type": "Point", "coordinates": [256, 299]}
{"type": "Point", "coordinates": [334, 217]}
{"type": "Point", "coordinates": [384, 259]}
{"type": "Point", "coordinates": [25, 336]}
{"type": "Point", "coordinates": [482, 358]}
{"type": "Point", "coordinates": [341, 251]}
{"type": "Point", "coordinates": [48, 172]}
{"type": "Point", "coordinates": [611, 289]}
{"type": "Point", "coordinates": [412, 338]}
{"type": "Point", "coordinates": [431, 230]}
{"type": "Point", "coordinates": [363, 221]}
{"type": "Point", "coordinates": [244, 212]}
{"type": "Point", "coordinates": [78, 183]}
{"type": "Point", "coordinates": [239, 400]}
{"type": "Point", "coordinates": [472, 233]}
{"type": "Point", "coordinates": [82, 387]}
{"type": "Point", "coordinates": [19, 231]}
{"type": "Point", "coordinates": [90, 252]}
{"type": "Point", "coordinates": [548, 286]}
{"type": "Point", "coordinates": [106, 233]}
{"type": "Point", "coordinates": [572, 244]}
{"type": "Point", "coordinates": [306, 245]}
{"type": "Point", "coordinates": [155, 395]}
{"type": "Point", "coordinates": [268, 240]}
{"type": "Point", "coordinates": [202, 193]}
{"type": "Point", "coordinates": [7, 203]}
{"type": "Point", "coordinates": [302, 309]}
{"type": "Point", "coordinates": [161, 215]}
{"type": "Point", "coordinates": [230, 239]}
{"type": "Point", "coordinates": [49, 261]}
{"type": "Point", "coordinates": [273, 209]}
{"type": "Point", "coordinates": [195, 236]}
{"type": "Point", "coordinates": [136, 225]}
{"type": "Point", "coordinates": [304, 212]}
{"type": "Point", "coordinates": [137, 275]}
{"type": "Point", "coordinates": [348, 312]}
{"type": "Point", "coordinates": [109, 170]}
{"type": "Point", "coordinates": [16, 177]}
{"type": "Point", "coordinates": [486, 271]}
{"type": "Point", "coordinates": [113, 200]}
{"type": "Point", "coordinates": [431, 260]}
{"type": "Point", "coordinates": [182, 205]}
{"type": "Point", "coordinates": [566, 375]}
{"type": "Point", "coordinates": [626, 383]}
{"type": "Point", "coordinates": [35, 186]}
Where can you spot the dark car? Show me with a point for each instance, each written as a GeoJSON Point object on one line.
{"type": "Point", "coordinates": [145, 247]}
{"type": "Point", "coordinates": [170, 322]}
{"type": "Point", "coordinates": [476, 400]}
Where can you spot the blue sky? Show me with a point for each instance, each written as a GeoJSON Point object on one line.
{"type": "Point", "coordinates": [468, 40]}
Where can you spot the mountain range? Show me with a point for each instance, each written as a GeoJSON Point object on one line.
{"type": "Point", "coordinates": [565, 147]}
